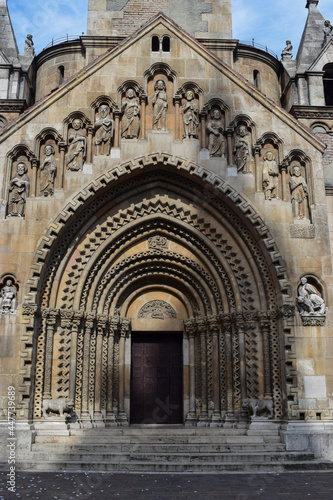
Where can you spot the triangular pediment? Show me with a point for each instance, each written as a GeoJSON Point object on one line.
{"type": "Point", "coordinates": [194, 63]}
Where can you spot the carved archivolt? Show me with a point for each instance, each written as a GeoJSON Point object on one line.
{"type": "Point", "coordinates": [238, 273]}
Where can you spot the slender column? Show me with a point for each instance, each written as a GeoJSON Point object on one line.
{"type": "Point", "coordinates": [113, 327]}
{"type": "Point", "coordinates": [214, 329]}
{"type": "Point", "coordinates": [62, 150]}
{"type": "Point", "coordinates": [190, 327]}
{"type": "Point", "coordinates": [124, 332]}
{"type": "Point", "coordinates": [34, 168]}
{"type": "Point", "coordinates": [77, 316]}
{"type": "Point", "coordinates": [256, 152]}
{"type": "Point", "coordinates": [242, 355]}
{"type": "Point", "coordinates": [50, 318]}
{"type": "Point", "coordinates": [203, 116]}
{"type": "Point", "coordinates": [101, 326]}
{"type": "Point", "coordinates": [227, 327]}
{"type": "Point", "coordinates": [177, 101]}
{"type": "Point", "coordinates": [143, 102]}
{"type": "Point", "coordinates": [202, 331]}
{"type": "Point", "coordinates": [229, 142]}
{"type": "Point", "coordinates": [283, 169]}
{"type": "Point", "coordinates": [265, 329]}
{"type": "Point", "coordinates": [89, 324]}
{"type": "Point", "coordinates": [89, 144]}
{"type": "Point", "coordinates": [66, 325]}
{"type": "Point", "coordinates": [116, 141]}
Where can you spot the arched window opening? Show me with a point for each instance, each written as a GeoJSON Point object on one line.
{"type": "Point", "coordinates": [166, 44]}
{"type": "Point", "coordinates": [256, 78]}
{"type": "Point", "coordinates": [155, 44]}
{"type": "Point", "coordinates": [328, 84]}
{"type": "Point", "coordinates": [61, 71]}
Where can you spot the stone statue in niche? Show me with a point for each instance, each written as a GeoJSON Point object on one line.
{"type": "Point", "coordinates": [160, 104]}
{"type": "Point", "coordinates": [309, 300]}
{"type": "Point", "coordinates": [77, 150]}
{"type": "Point", "coordinates": [328, 31]}
{"type": "Point", "coordinates": [130, 124]}
{"type": "Point", "coordinates": [48, 169]}
{"type": "Point", "coordinates": [190, 116]}
{"type": "Point", "coordinates": [215, 131]}
{"type": "Point", "coordinates": [299, 192]}
{"type": "Point", "coordinates": [270, 176]}
{"type": "Point", "coordinates": [19, 188]}
{"type": "Point", "coordinates": [157, 309]}
{"type": "Point", "coordinates": [29, 49]}
{"type": "Point", "coordinates": [104, 130]}
{"type": "Point", "coordinates": [242, 149]}
{"type": "Point", "coordinates": [8, 298]}
{"type": "Point", "coordinates": [287, 53]}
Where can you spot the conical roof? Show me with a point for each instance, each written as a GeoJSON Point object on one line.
{"type": "Point", "coordinates": [312, 38]}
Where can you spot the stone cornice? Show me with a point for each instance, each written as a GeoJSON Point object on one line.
{"type": "Point", "coordinates": [312, 112]}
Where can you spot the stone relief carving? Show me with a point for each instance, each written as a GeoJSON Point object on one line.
{"type": "Point", "coordinates": [270, 176]}
{"type": "Point", "coordinates": [19, 188]}
{"type": "Point", "coordinates": [48, 169]}
{"type": "Point", "coordinates": [29, 49]}
{"type": "Point", "coordinates": [190, 116]}
{"type": "Point", "coordinates": [299, 192]}
{"type": "Point", "coordinates": [157, 309]}
{"type": "Point", "coordinates": [287, 53]}
{"type": "Point", "coordinates": [130, 125]}
{"type": "Point", "coordinates": [77, 139]}
{"type": "Point", "coordinates": [8, 298]}
{"type": "Point", "coordinates": [328, 31]}
{"type": "Point", "coordinates": [242, 149]}
{"type": "Point", "coordinates": [158, 242]}
{"type": "Point", "coordinates": [59, 405]}
{"type": "Point", "coordinates": [215, 132]}
{"type": "Point", "coordinates": [160, 105]}
{"type": "Point", "coordinates": [264, 407]}
{"type": "Point", "coordinates": [104, 130]}
{"type": "Point", "coordinates": [309, 300]}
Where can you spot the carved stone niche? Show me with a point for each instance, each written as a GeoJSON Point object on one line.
{"type": "Point", "coordinates": [271, 184]}
{"type": "Point", "coordinates": [20, 180]}
{"type": "Point", "coordinates": [162, 113]}
{"type": "Point", "coordinates": [133, 110]}
{"type": "Point", "coordinates": [8, 294]}
{"type": "Point", "coordinates": [299, 188]}
{"type": "Point", "coordinates": [243, 132]}
{"type": "Point", "coordinates": [310, 301]}
{"type": "Point", "coordinates": [215, 117]}
{"type": "Point", "coordinates": [104, 109]}
{"type": "Point", "coordinates": [50, 152]}
{"type": "Point", "coordinates": [78, 132]}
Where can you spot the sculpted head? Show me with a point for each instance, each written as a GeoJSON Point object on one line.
{"type": "Point", "coordinates": [49, 150]}
{"type": "Point", "coordinates": [130, 93]}
{"type": "Point", "coordinates": [189, 95]}
{"type": "Point", "coordinates": [296, 171]}
{"type": "Point", "coordinates": [303, 281]}
{"type": "Point", "coordinates": [160, 85]}
{"type": "Point", "coordinates": [77, 124]}
{"type": "Point", "coordinates": [216, 113]}
{"type": "Point", "coordinates": [242, 130]}
{"type": "Point", "coordinates": [104, 110]}
{"type": "Point", "coordinates": [21, 168]}
{"type": "Point", "coordinates": [269, 156]}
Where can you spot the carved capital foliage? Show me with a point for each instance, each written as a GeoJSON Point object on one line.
{"type": "Point", "coordinates": [190, 327]}
{"type": "Point", "coordinates": [313, 320]}
{"type": "Point", "coordinates": [125, 327]}
{"type": "Point", "coordinates": [89, 319]}
{"type": "Point", "coordinates": [287, 311]}
{"type": "Point", "coordinates": [66, 318]}
{"type": "Point", "coordinates": [50, 315]}
{"type": "Point", "coordinates": [29, 309]}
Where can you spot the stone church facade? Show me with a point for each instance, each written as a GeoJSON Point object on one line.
{"type": "Point", "coordinates": [166, 220]}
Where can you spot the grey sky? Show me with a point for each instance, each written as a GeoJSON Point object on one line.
{"type": "Point", "coordinates": [269, 22]}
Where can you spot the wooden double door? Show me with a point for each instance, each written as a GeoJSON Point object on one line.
{"type": "Point", "coordinates": [157, 378]}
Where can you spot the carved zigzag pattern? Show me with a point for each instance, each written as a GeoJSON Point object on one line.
{"type": "Point", "coordinates": [251, 365]}
{"type": "Point", "coordinates": [64, 363]}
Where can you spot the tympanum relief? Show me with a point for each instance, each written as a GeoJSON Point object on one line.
{"type": "Point", "coordinates": [157, 309]}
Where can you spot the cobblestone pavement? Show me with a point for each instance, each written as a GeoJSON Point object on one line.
{"type": "Point", "coordinates": [98, 486]}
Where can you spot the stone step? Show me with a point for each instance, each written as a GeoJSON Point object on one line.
{"type": "Point", "coordinates": [148, 448]}
{"type": "Point", "coordinates": [170, 467]}
{"type": "Point", "coordinates": [176, 458]}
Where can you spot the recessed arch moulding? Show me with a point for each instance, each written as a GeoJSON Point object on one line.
{"type": "Point", "coordinates": [160, 244]}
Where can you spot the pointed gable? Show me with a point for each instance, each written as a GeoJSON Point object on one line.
{"type": "Point", "coordinates": [7, 38]}
{"type": "Point", "coordinates": [312, 39]}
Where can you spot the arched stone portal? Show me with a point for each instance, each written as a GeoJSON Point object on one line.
{"type": "Point", "coordinates": [157, 245]}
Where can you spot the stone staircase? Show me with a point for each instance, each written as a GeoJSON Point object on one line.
{"type": "Point", "coordinates": [172, 449]}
